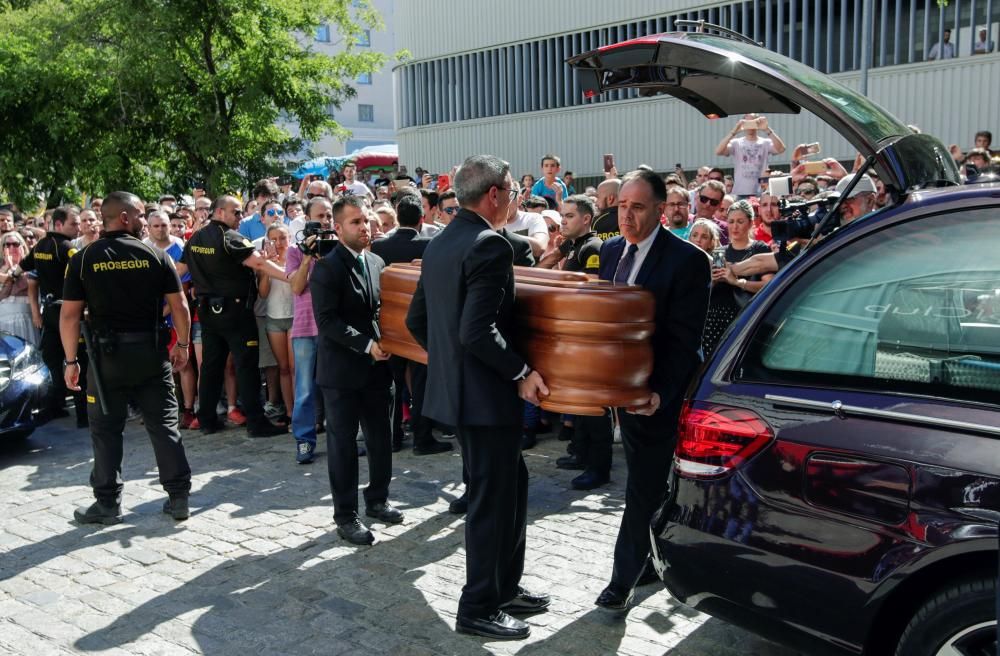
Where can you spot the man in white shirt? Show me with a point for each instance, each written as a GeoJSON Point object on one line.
{"type": "Point", "coordinates": [350, 186]}
{"type": "Point", "coordinates": [749, 152]}
{"type": "Point", "coordinates": [943, 49]}
{"type": "Point", "coordinates": [532, 226]}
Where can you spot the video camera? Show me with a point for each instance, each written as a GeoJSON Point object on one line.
{"type": "Point", "coordinates": [325, 241]}
{"type": "Point", "coordinates": [800, 221]}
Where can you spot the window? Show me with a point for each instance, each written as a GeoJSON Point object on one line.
{"type": "Point", "coordinates": [365, 38]}
{"type": "Point", "coordinates": [366, 113]}
{"type": "Point", "coordinates": [365, 78]}
{"type": "Point", "coordinates": [914, 308]}
{"type": "Point", "coordinates": [323, 33]}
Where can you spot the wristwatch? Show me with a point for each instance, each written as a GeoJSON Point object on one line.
{"type": "Point", "coordinates": [67, 363]}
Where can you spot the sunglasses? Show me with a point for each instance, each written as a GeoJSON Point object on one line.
{"type": "Point", "coordinates": [274, 212]}
{"type": "Point", "coordinates": [450, 210]}
{"type": "Point", "coordinates": [709, 201]}
{"type": "Point", "coordinates": [12, 244]}
{"type": "Point", "coordinates": [806, 192]}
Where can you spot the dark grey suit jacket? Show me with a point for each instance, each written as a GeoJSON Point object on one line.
{"type": "Point", "coordinates": [462, 314]}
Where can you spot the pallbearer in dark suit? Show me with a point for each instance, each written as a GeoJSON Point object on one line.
{"type": "Point", "coordinates": [351, 369]}
{"type": "Point", "coordinates": [462, 314]}
{"type": "Point", "coordinates": [678, 275]}
{"type": "Point", "coordinates": [406, 245]}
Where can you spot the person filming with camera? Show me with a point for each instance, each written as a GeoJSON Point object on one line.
{"type": "Point", "coordinates": [859, 202]}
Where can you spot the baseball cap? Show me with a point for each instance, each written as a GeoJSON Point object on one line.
{"type": "Point", "coordinates": [554, 215]}
{"type": "Point", "coordinates": [865, 186]}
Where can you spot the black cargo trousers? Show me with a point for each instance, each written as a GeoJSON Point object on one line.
{"type": "Point", "coordinates": [139, 371]}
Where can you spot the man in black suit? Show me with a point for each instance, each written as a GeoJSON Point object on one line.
{"type": "Point", "coordinates": [352, 371]}
{"type": "Point", "coordinates": [678, 275]}
{"type": "Point", "coordinates": [406, 245]}
{"type": "Point", "coordinates": [462, 314]}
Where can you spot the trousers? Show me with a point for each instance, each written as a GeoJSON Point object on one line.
{"type": "Point", "coordinates": [53, 356]}
{"type": "Point", "coordinates": [234, 330]}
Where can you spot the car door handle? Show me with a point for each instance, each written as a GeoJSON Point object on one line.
{"type": "Point", "coordinates": [843, 411]}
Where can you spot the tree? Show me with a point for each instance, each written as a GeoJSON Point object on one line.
{"type": "Point", "coordinates": [152, 94]}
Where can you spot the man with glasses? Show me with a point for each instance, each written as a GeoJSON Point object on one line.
{"type": "Point", "coordinates": [253, 227]}
{"type": "Point", "coordinates": [447, 207]}
{"type": "Point", "coordinates": [319, 189]}
{"type": "Point", "coordinates": [707, 198]}
{"type": "Point", "coordinates": [806, 189]}
{"type": "Point", "coordinates": [678, 212]}
{"type": "Point", "coordinates": [222, 263]}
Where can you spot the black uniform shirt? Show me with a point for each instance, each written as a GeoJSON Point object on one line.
{"type": "Point", "coordinates": [48, 259]}
{"type": "Point", "coordinates": [214, 255]}
{"type": "Point", "coordinates": [606, 224]}
{"type": "Point", "coordinates": [582, 253]}
{"type": "Point", "coordinates": [123, 282]}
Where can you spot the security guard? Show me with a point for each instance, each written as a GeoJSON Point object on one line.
{"type": "Point", "coordinates": [222, 264]}
{"type": "Point", "coordinates": [124, 284]}
{"type": "Point", "coordinates": [48, 260]}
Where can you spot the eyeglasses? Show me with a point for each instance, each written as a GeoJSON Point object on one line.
{"type": "Point", "coordinates": [806, 191]}
{"type": "Point", "coordinates": [238, 212]}
{"type": "Point", "coordinates": [309, 195]}
{"type": "Point", "coordinates": [275, 212]}
{"type": "Point", "coordinates": [511, 193]}
{"type": "Point", "coordinates": [12, 244]}
{"type": "Point", "coordinates": [450, 210]}
{"type": "Point", "coordinates": [709, 201]}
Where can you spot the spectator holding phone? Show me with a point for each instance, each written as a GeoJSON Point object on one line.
{"type": "Point", "coordinates": [749, 152]}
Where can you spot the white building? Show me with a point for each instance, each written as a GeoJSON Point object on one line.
{"type": "Point", "coordinates": [369, 115]}
{"type": "Point", "coordinates": [491, 77]}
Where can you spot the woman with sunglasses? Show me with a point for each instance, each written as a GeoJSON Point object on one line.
{"type": "Point", "coordinates": [15, 311]}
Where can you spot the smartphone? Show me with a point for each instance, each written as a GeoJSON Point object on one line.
{"type": "Point", "coordinates": [814, 168]}
{"type": "Point", "coordinates": [444, 182]}
{"type": "Point", "coordinates": [678, 167]}
{"type": "Point", "coordinates": [812, 149]}
{"type": "Point", "coordinates": [719, 258]}
{"type": "Point", "coordinates": [749, 124]}
{"type": "Point", "coordinates": [609, 162]}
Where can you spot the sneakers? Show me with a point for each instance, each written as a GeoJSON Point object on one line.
{"type": "Point", "coordinates": [177, 507]}
{"type": "Point", "coordinates": [237, 417]}
{"type": "Point", "coordinates": [305, 453]}
{"type": "Point", "coordinates": [274, 410]}
{"type": "Point", "coordinates": [188, 420]}
{"type": "Point", "coordinates": [99, 513]}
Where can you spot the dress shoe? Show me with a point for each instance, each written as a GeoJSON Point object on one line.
{"type": "Point", "coordinates": [459, 506]}
{"type": "Point", "coordinates": [305, 453]}
{"type": "Point", "coordinates": [498, 626]}
{"type": "Point", "coordinates": [528, 439]}
{"type": "Point", "coordinates": [177, 507]}
{"type": "Point", "coordinates": [265, 428]}
{"type": "Point", "coordinates": [617, 602]}
{"type": "Point", "coordinates": [566, 433]}
{"type": "Point", "coordinates": [570, 462]}
{"type": "Point", "coordinates": [526, 603]}
{"type": "Point", "coordinates": [589, 480]}
{"type": "Point", "coordinates": [431, 447]}
{"type": "Point", "coordinates": [648, 575]}
{"type": "Point", "coordinates": [384, 512]}
{"type": "Point", "coordinates": [355, 532]}
{"type": "Point", "coordinates": [99, 513]}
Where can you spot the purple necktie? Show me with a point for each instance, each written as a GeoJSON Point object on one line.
{"type": "Point", "coordinates": [625, 265]}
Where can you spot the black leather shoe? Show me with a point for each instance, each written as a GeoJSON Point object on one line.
{"type": "Point", "coordinates": [615, 601]}
{"type": "Point", "coordinates": [177, 507]}
{"type": "Point", "coordinates": [528, 440]}
{"type": "Point", "coordinates": [648, 575]}
{"type": "Point", "coordinates": [265, 429]}
{"type": "Point", "coordinates": [589, 480]}
{"type": "Point", "coordinates": [570, 462]}
{"type": "Point", "coordinates": [99, 513]}
{"type": "Point", "coordinates": [498, 626]}
{"type": "Point", "coordinates": [384, 512]}
{"type": "Point", "coordinates": [459, 506]}
{"type": "Point", "coordinates": [432, 447]}
{"type": "Point", "coordinates": [526, 603]}
{"type": "Point", "coordinates": [356, 532]}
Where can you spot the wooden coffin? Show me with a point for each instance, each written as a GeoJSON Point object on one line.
{"type": "Point", "coordinates": [587, 338]}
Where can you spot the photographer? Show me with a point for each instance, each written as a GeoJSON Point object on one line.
{"type": "Point", "coordinates": [306, 423]}
{"type": "Point", "coordinates": [860, 202]}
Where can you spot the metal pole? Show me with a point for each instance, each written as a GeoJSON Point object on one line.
{"type": "Point", "coordinates": [866, 43]}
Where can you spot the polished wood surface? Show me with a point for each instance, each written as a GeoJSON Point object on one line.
{"type": "Point", "coordinates": [587, 338]}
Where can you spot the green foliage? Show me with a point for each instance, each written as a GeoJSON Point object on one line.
{"type": "Point", "coordinates": [149, 95]}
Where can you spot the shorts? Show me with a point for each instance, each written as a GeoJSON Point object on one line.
{"type": "Point", "coordinates": [278, 325]}
{"type": "Point", "coordinates": [196, 332]}
{"type": "Point", "coordinates": [264, 346]}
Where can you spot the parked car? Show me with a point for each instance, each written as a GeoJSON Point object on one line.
{"type": "Point", "coordinates": [836, 481]}
{"type": "Point", "coordinates": [24, 380]}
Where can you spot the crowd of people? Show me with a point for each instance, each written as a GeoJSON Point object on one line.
{"type": "Point", "coordinates": [283, 290]}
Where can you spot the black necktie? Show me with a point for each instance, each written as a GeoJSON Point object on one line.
{"type": "Point", "coordinates": [625, 265]}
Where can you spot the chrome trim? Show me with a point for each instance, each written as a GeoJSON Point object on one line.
{"type": "Point", "coordinates": [843, 411]}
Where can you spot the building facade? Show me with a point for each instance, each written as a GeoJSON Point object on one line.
{"type": "Point", "coordinates": [370, 114]}
{"type": "Point", "coordinates": [495, 80]}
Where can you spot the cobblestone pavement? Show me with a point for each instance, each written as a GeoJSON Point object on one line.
{"type": "Point", "coordinates": [258, 568]}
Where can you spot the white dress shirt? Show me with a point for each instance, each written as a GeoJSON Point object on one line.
{"type": "Point", "coordinates": [640, 255]}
